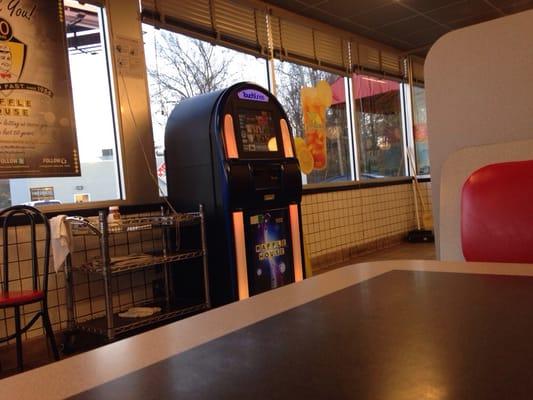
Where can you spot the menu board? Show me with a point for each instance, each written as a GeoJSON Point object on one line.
{"type": "Point", "coordinates": [37, 132]}
{"type": "Point", "coordinates": [256, 130]}
{"type": "Point", "coordinates": [270, 265]}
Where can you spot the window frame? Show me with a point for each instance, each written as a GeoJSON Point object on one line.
{"type": "Point", "coordinates": [130, 101]}
{"type": "Point", "coordinates": [118, 167]}
{"type": "Point", "coordinates": [351, 123]}
{"type": "Point", "coordinates": [350, 127]}
{"type": "Point", "coordinates": [412, 105]}
{"type": "Point", "coordinates": [404, 124]}
{"type": "Point", "coordinates": [134, 125]}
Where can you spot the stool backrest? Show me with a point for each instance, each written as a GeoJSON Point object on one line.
{"type": "Point", "coordinates": [497, 213]}
{"type": "Point", "coordinates": [32, 216]}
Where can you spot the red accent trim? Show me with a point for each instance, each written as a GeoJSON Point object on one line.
{"type": "Point", "coordinates": [497, 213]}
{"type": "Point", "coordinates": [12, 298]}
{"type": "Point", "coordinates": [296, 246]}
{"type": "Point", "coordinates": [240, 254]}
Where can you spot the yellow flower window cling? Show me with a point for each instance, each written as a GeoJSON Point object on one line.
{"type": "Point", "coordinates": [312, 153]}
{"type": "Point", "coordinates": [304, 156]}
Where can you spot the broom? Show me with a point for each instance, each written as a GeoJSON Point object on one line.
{"type": "Point", "coordinates": [423, 231]}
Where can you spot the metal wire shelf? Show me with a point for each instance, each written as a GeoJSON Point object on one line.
{"type": "Point", "coordinates": [112, 255]}
{"type": "Point", "coordinates": [89, 226]}
{"type": "Point", "coordinates": [122, 325]}
{"type": "Point", "coordinates": [96, 265]}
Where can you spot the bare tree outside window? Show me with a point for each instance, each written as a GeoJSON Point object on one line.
{"type": "Point", "coordinates": [180, 67]}
{"type": "Point", "coordinates": [185, 67]}
{"type": "Point", "coordinates": [291, 78]}
{"type": "Point", "coordinates": [378, 114]}
{"type": "Point", "coordinates": [420, 129]}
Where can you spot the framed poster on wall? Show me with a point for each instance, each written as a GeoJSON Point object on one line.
{"type": "Point", "coordinates": [37, 130]}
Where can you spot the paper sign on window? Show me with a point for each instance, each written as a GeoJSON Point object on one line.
{"type": "Point", "coordinates": [315, 102]}
{"type": "Point", "coordinates": [37, 132]}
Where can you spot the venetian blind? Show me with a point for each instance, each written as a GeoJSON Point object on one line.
{"type": "Point", "coordinates": [242, 26]}
{"type": "Point", "coordinates": [371, 58]}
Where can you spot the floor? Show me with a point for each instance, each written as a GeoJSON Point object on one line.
{"type": "Point", "coordinates": [37, 353]}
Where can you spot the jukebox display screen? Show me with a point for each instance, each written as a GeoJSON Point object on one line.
{"type": "Point", "coordinates": [270, 255]}
{"type": "Point", "coordinates": [256, 131]}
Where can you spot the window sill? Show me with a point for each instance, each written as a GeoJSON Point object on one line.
{"type": "Point", "coordinates": [356, 185]}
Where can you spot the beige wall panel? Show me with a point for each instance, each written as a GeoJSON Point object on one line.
{"type": "Point", "coordinates": [133, 103]}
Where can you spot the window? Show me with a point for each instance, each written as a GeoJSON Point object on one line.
{"type": "Point", "coordinates": [315, 103]}
{"type": "Point", "coordinates": [420, 130]}
{"type": "Point", "coordinates": [180, 67]}
{"type": "Point", "coordinates": [378, 116]}
{"type": "Point", "coordinates": [94, 117]}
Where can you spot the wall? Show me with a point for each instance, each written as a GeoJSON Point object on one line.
{"type": "Point", "coordinates": [479, 82]}
{"type": "Point", "coordinates": [337, 226]}
{"type": "Point", "coordinates": [98, 179]}
{"type": "Point", "coordinates": [340, 225]}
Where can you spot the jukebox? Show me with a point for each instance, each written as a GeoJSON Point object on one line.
{"type": "Point", "coordinates": [232, 151]}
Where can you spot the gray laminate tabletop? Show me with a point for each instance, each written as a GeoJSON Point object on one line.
{"type": "Point", "coordinates": [384, 330]}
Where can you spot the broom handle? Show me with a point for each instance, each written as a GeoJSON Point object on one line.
{"type": "Point", "coordinates": [410, 151]}
{"type": "Point", "coordinates": [416, 187]}
{"type": "Point", "coordinates": [419, 192]}
{"type": "Point", "coordinates": [416, 208]}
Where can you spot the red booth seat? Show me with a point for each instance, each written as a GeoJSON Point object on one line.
{"type": "Point", "coordinates": [497, 213]}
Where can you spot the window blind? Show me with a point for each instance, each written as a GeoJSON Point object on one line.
{"type": "Point", "coordinates": [236, 22]}
{"type": "Point", "coordinates": [240, 25]}
{"type": "Point", "coordinates": [367, 57]}
{"type": "Point", "coordinates": [297, 40]}
{"type": "Point", "coordinates": [262, 30]}
{"type": "Point", "coordinates": [191, 14]}
{"type": "Point", "coordinates": [237, 25]}
{"type": "Point", "coordinates": [331, 50]}
{"type": "Point", "coordinates": [293, 41]}
{"type": "Point", "coordinates": [218, 21]}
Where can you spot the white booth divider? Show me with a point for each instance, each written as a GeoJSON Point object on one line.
{"type": "Point", "coordinates": [479, 91]}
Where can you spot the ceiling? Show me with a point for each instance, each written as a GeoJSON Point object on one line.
{"type": "Point", "coordinates": [410, 25]}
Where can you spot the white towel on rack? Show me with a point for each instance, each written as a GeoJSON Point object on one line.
{"type": "Point", "coordinates": [60, 241]}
